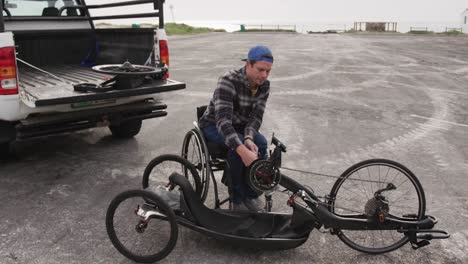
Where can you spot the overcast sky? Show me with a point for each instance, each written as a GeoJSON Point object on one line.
{"type": "Point", "coordinates": [277, 11]}
{"type": "Point", "coordinates": [318, 10]}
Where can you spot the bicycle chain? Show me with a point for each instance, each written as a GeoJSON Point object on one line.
{"type": "Point", "coordinates": [330, 176]}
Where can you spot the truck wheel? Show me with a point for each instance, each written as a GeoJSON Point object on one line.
{"type": "Point", "coordinates": [4, 150]}
{"type": "Point", "coordinates": [126, 129]}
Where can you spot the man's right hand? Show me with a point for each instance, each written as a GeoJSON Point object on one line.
{"type": "Point", "coordinates": [246, 155]}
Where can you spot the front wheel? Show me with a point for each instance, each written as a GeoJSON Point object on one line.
{"type": "Point", "coordinates": [141, 226]}
{"type": "Point", "coordinates": [4, 150]}
{"type": "Point", "coordinates": [127, 129]}
{"type": "Point", "coordinates": [354, 194]}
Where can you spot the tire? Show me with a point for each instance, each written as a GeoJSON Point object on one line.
{"type": "Point", "coordinates": [352, 194]}
{"type": "Point", "coordinates": [7, 136]}
{"type": "Point", "coordinates": [128, 232]}
{"type": "Point", "coordinates": [126, 69]}
{"type": "Point", "coordinates": [4, 150]}
{"type": "Point", "coordinates": [160, 168]}
{"type": "Point", "coordinates": [127, 129]}
{"type": "Point", "coordinates": [195, 151]}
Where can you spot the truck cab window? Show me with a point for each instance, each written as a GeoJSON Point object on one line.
{"type": "Point", "coordinates": [42, 8]}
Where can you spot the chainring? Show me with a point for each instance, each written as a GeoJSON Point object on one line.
{"type": "Point", "coordinates": [263, 176]}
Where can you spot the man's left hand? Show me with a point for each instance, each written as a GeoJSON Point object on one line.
{"type": "Point", "coordinates": [251, 145]}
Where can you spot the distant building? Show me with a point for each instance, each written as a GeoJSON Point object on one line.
{"type": "Point", "coordinates": [464, 21]}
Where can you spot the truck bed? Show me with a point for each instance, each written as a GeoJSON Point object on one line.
{"type": "Point", "coordinates": [43, 89]}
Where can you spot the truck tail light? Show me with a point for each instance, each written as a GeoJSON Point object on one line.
{"type": "Point", "coordinates": [164, 54]}
{"type": "Point", "coordinates": [8, 74]}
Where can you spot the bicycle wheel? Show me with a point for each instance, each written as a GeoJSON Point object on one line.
{"type": "Point", "coordinates": [126, 68]}
{"type": "Point", "coordinates": [194, 150]}
{"type": "Point", "coordinates": [141, 226]}
{"type": "Point", "coordinates": [160, 168]}
{"type": "Point", "coordinates": [353, 193]}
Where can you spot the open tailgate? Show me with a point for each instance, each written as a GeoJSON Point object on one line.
{"type": "Point", "coordinates": [54, 86]}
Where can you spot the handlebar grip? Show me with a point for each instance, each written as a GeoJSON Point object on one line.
{"type": "Point", "coordinates": [278, 143]}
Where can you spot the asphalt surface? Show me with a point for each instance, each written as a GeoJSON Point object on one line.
{"type": "Point", "coordinates": [335, 100]}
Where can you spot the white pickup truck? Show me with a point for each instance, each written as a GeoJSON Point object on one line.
{"type": "Point", "coordinates": [48, 49]}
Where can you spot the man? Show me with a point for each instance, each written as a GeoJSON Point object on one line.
{"type": "Point", "coordinates": [234, 117]}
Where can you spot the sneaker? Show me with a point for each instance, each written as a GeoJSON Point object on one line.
{"type": "Point", "coordinates": [255, 204]}
{"type": "Point", "coordinates": [239, 207]}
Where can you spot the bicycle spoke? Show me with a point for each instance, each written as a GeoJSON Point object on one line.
{"type": "Point", "coordinates": [368, 173]}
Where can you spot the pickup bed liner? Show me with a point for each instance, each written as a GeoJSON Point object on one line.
{"type": "Point", "coordinates": [45, 89]}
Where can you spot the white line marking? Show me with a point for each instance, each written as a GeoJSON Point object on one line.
{"type": "Point", "coordinates": [448, 91]}
{"type": "Point", "coordinates": [442, 121]}
{"type": "Point", "coordinates": [437, 127]}
{"type": "Point", "coordinates": [422, 88]}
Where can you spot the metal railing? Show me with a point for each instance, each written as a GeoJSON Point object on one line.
{"type": "Point", "coordinates": [447, 29]}
{"type": "Point", "coordinates": [268, 27]}
{"type": "Point", "coordinates": [419, 29]}
{"type": "Point", "coordinates": [157, 5]}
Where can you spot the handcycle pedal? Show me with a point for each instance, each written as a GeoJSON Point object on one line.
{"type": "Point", "coordinates": [419, 241]}
{"type": "Point", "coordinates": [439, 234]}
{"type": "Point", "coordinates": [420, 244]}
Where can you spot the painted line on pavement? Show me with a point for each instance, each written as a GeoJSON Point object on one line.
{"type": "Point", "coordinates": [441, 121]}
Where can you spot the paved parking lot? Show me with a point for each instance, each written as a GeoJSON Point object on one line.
{"type": "Point", "coordinates": [336, 100]}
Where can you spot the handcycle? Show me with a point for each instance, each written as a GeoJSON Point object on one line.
{"type": "Point", "coordinates": [375, 206]}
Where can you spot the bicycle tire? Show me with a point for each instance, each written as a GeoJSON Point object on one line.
{"type": "Point", "coordinates": [126, 69]}
{"type": "Point", "coordinates": [164, 214]}
{"type": "Point", "coordinates": [339, 203]}
{"type": "Point", "coordinates": [187, 169]}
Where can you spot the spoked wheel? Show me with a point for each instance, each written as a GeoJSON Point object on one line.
{"type": "Point", "coordinates": [141, 226]}
{"type": "Point", "coordinates": [196, 153]}
{"type": "Point", "coordinates": [160, 168]}
{"type": "Point", "coordinates": [126, 69]}
{"type": "Point", "coordinates": [353, 194]}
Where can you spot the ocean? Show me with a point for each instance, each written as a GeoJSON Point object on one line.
{"type": "Point", "coordinates": [311, 26]}
{"type": "Point", "coordinates": [299, 26]}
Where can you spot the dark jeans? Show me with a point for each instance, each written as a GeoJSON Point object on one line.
{"type": "Point", "coordinates": [237, 170]}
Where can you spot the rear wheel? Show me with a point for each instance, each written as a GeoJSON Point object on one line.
{"type": "Point", "coordinates": [141, 226]}
{"type": "Point", "coordinates": [4, 150]}
{"type": "Point", "coordinates": [160, 168]}
{"type": "Point", "coordinates": [127, 129]}
{"type": "Point", "coordinates": [194, 150]}
{"type": "Point", "coordinates": [354, 194]}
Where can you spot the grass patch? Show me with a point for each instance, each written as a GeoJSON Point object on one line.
{"type": "Point", "coordinates": [420, 32]}
{"type": "Point", "coordinates": [184, 29]}
{"type": "Point", "coordinates": [266, 30]}
{"type": "Point", "coordinates": [171, 28]}
{"type": "Point", "coordinates": [453, 32]}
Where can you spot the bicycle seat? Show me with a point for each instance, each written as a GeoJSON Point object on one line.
{"type": "Point", "coordinates": [50, 11]}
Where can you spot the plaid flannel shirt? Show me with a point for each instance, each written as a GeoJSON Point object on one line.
{"type": "Point", "coordinates": [234, 110]}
